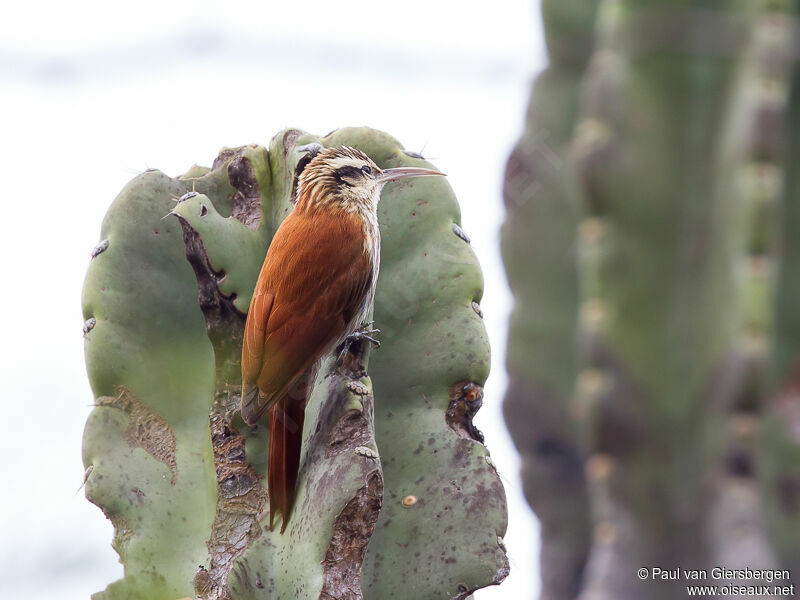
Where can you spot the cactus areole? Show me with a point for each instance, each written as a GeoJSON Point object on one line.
{"type": "Point", "coordinates": [181, 475]}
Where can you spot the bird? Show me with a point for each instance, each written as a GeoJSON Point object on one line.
{"type": "Point", "coordinates": [313, 294]}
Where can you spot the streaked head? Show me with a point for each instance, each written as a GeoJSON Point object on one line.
{"type": "Point", "coordinates": [349, 177]}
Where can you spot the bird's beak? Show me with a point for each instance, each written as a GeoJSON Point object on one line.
{"type": "Point", "coordinates": [400, 172]}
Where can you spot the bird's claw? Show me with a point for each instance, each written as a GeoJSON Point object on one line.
{"type": "Point", "coordinates": [370, 339]}
{"type": "Point", "coordinates": [365, 332]}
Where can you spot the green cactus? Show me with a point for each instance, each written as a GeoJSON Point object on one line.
{"type": "Point", "coordinates": [147, 445]}
{"type": "Point", "coordinates": [652, 333]}
{"type": "Point", "coordinates": [179, 474]}
{"type": "Point", "coordinates": [780, 457]}
{"type": "Point", "coordinates": [539, 240]}
{"type": "Point", "coordinates": [427, 308]}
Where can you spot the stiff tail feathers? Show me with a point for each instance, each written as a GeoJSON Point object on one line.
{"type": "Point", "coordinates": [285, 443]}
{"type": "Point", "coordinates": [253, 406]}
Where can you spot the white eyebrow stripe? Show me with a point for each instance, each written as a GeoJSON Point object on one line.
{"type": "Point", "coordinates": [345, 161]}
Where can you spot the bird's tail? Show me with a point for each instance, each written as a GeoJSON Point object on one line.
{"type": "Point", "coordinates": [285, 442]}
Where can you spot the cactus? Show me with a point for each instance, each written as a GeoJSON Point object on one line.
{"type": "Point", "coordinates": [543, 205]}
{"type": "Point", "coordinates": [179, 474]}
{"type": "Point", "coordinates": [779, 460]}
{"type": "Point", "coordinates": [649, 339]}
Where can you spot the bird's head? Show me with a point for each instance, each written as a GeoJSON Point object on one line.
{"type": "Point", "coordinates": [349, 178]}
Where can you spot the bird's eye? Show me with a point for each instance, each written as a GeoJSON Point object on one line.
{"type": "Point", "coordinates": [366, 169]}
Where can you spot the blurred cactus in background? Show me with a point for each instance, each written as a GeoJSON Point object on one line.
{"type": "Point", "coordinates": [390, 459]}
{"type": "Point", "coordinates": [654, 344]}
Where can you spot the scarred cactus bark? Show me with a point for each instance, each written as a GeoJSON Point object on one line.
{"type": "Point", "coordinates": [181, 477]}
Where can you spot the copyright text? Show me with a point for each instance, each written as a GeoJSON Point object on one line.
{"type": "Point", "coordinates": [745, 582]}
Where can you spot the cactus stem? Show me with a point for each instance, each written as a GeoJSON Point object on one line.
{"type": "Point", "coordinates": [241, 496]}
{"type": "Point", "coordinates": [224, 322]}
{"type": "Point", "coordinates": [216, 513]}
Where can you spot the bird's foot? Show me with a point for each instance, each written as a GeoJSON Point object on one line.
{"type": "Point", "coordinates": [365, 332]}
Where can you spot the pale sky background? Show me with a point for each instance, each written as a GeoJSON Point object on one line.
{"type": "Point", "coordinates": [92, 93]}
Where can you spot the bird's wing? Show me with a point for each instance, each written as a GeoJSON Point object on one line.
{"type": "Point", "coordinates": [254, 333]}
{"type": "Point", "coordinates": [253, 352]}
{"type": "Point", "coordinates": [317, 272]}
